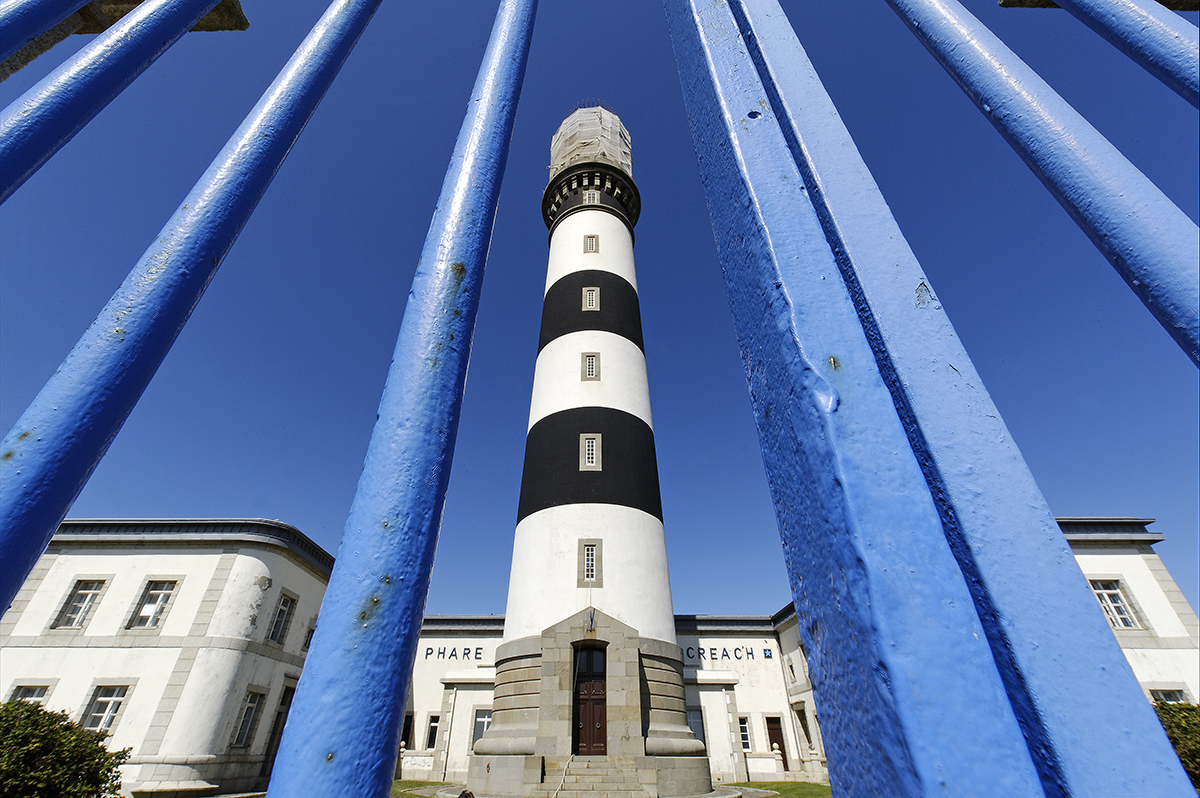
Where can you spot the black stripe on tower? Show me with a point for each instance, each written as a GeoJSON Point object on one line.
{"type": "Point", "coordinates": [562, 310]}
{"type": "Point", "coordinates": [552, 476]}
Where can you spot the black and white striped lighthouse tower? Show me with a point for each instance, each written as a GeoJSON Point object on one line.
{"type": "Point", "coordinates": [589, 678]}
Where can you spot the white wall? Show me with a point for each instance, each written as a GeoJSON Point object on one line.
{"type": "Point", "coordinates": [566, 247]}
{"type": "Point", "coordinates": [211, 660]}
{"type": "Point", "coordinates": [438, 655]}
{"type": "Point", "coordinates": [543, 587]}
{"type": "Point", "coordinates": [125, 583]}
{"type": "Point", "coordinates": [622, 384]}
{"type": "Point", "coordinates": [1138, 582]}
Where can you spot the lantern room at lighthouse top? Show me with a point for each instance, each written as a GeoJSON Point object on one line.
{"type": "Point", "coordinates": [591, 135]}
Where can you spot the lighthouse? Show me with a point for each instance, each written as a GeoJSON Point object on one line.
{"type": "Point", "coordinates": [589, 678]}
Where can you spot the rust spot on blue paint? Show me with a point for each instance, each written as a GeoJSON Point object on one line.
{"type": "Point", "coordinates": [23, 435]}
{"type": "Point", "coordinates": [329, 757]}
{"type": "Point", "coordinates": [833, 361]}
{"type": "Point", "coordinates": [8, 455]}
{"type": "Point", "coordinates": [387, 580]}
{"type": "Point", "coordinates": [368, 608]}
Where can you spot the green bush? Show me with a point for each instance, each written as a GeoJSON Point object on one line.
{"type": "Point", "coordinates": [1182, 723]}
{"type": "Point", "coordinates": [47, 755]}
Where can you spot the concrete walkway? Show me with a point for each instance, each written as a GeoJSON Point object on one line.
{"type": "Point", "coordinates": [454, 790]}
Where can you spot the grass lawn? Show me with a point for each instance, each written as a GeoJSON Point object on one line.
{"type": "Point", "coordinates": [399, 787]}
{"type": "Point", "coordinates": [790, 789]}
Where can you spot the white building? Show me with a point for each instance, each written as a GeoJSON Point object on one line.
{"type": "Point", "coordinates": [185, 638]}
{"type": "Point", "coordinates": [746, 681]}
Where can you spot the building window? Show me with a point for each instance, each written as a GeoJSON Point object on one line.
{"type": "Point", "coordinates": [431, 737]}
{"type": "Point", "coordinates": [591, 298]}
{"type": "Point", "coordinates": [282, 619]}
{"type": "Point", "coordinates": [33, 693]}
{"type": "Point", "coordinates": [590, 569]}
{"type": "Point", "coordinates": [591, 197]}
{"type": "Point", "coordinates": [104, 707]}
{"type": "Point", "coordinates": [589, 562]}
{"type": "Point", "coordinates": [695, 722]}
{"type": "Point", "coordinates": [1169, 696]}
{"type": "Point", "coordinates": [308, 636]}
{"type": "Point", "coordinates": [1116, 606]}
{"type": "Point", "coordinates": [744, 729]}
{"type": "Point", "coordinates": [483, 722]}
{"type": "Point", "coordinates": [589, 366]}
{"type": "Point", "coordinates": [591, 244]}
{"type": "Point", "coordinates": [248, 720]}
{"type": "Point", "coordinates": [589, 452]}
{"type": "Point", "coordinates": [152, 606]}
{"type": "Point", "coordinates": [78, 606]}
{"type": "Point", "coordinates": [406, 731]}
{"type": "Point", "coordinates": [802, 716]}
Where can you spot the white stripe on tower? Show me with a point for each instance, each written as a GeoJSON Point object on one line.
{"type": "Point", "coordinates": [591, 475]}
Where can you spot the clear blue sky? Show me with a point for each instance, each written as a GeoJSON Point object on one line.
{"type": "Point", "coordinates": [265, 405]}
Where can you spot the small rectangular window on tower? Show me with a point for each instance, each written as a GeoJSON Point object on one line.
{"type": "Point", "coordinates": [591, 298]}
{"type": "Point", "coordinates": [589, 452]}
{"type": "Point", "coordinates": [591, 243]}
{"type": "Point", "coordinates": [589, 367]}
{"type": "Point", "coordinates": [591, 197]}
{"type": "Point", "coordinates": [590, 571]}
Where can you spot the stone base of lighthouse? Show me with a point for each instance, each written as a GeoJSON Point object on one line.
{"type": "Point", "coordinates": [589, 706]}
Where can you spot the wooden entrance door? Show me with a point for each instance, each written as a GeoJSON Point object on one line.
{"type": "Point", "coordinates": [775, 736]}
{"type": "Point", "coordinates": [591, 709]}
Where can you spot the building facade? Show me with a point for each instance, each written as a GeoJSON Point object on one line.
{"type": "Point", "coordinates": [747, 690]}
{"type": "Point", "coordinates": [182, 639]}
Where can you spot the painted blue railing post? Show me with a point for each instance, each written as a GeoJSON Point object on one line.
{"type": "Point", "coordinates": [22, 21]}
{"type": "Point", "coordinates": [342, 733]}
{"type": "Point", "coordinates": [42, 120]}
{"type": "Point", "coordinates": [47, 457]}
{"type": "Point", "coordinates": [1161, 41]}
{"type": "Point", "coordinates": [919, 548]}
{"type": "Point", "coordinates": [1151, 243]}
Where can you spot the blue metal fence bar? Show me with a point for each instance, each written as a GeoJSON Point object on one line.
{"type": "Point", "coordinates": [1164, 43]}
{"type": "Point", "coordinates": [911, 525]}
{"type": "Point", "coordinates": [1151, 243]}
{"type": "Point", "coordinates": [343, 730]}
{"type": "Point", "coordinates": [42, 120]}
{"type": "Point", "coordinates": [47, 457]}
{"type": "Point", "coordinates": [22, 21]}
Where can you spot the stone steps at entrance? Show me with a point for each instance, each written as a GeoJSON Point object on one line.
{"type": "Point", "coordinates": [589, 776]}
